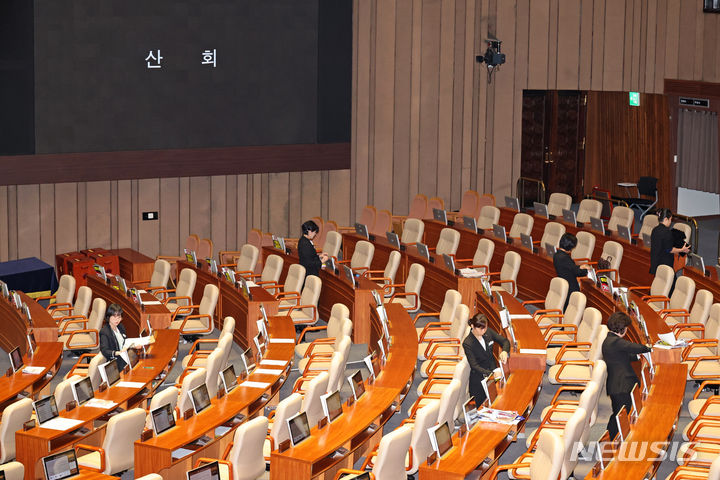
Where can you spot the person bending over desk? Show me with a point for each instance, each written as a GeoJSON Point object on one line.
{"type": "Point", "coordinates": [618, 354]}
{"type": "Point", "coordinates": [309, 258]}
{"type": "Point", "coordinates": [478, 346]}
{"type": "Point", "coordinates": [565, 266]}
{"type": "Point", "coordinates": [112, 335]}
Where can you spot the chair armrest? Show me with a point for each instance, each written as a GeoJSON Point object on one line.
{"type": "Point", "coordinates": [300, 307]}
{"type": "Point", "coordinates": [696, 343]}
{"type": "Point", "coordinates": [434, 327]}
{"type": "Point", "coordinates": [350, 471]}
{"type": "Point", "coordinates": [565, 388]}
{"type": "Point", "coordinates": [635, 289]}
{"type": "Point", "coordinates": [80, 321]}
{"type": "Point", "coordinates": [678, 312]}
{"type": "Point", "coordinates": [548, 311]}
{"type": "Point", "coordinates": [271, 441]}
{"type": "Point", "coordinates": [199, 315]}
{"type": "Point", "coordinates": [183, 310]}
{"type": "Point", "coordinates": [90, 448]}
{"type": "Point", "coordinates": [319, 341]}
{"type": "Point", "coordinates": [531, 302]}
{"type": "Point", "coordinates": [703, 386]}
{"type": "Point", "coordinates": [310, 329]}
{"type": "Point", "coordinates": [500, 282]}
{"type": "Point", "coordinates": [287, 296]}
{"type": "Point", "coordinates": [405, 294]}
{"type": "Point", "coordinates": [574, 346]}
{"type": "Point", "coordinates": [696, 363]}
{"type": "Point", "coordinates": [88, 331]}
{"type": "Point", "coordinates": [512, 466]}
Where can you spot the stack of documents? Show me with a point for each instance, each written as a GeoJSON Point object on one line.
{"type": "Point", "coordinates": [505, 417]}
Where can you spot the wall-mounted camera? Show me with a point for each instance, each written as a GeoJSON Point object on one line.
{"type": "Point", "coordinates": [492, 57]}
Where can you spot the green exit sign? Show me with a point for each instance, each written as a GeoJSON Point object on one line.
{"type": "Point", "coordinates": [634, 99]}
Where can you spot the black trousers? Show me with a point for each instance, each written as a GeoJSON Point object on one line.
{"type": "Point", "coordinates": [618, 400]}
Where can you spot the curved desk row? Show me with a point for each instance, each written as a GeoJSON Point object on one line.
{"type": "Point", "coordinates": [16, 326]}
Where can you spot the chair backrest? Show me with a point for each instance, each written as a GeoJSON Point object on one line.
{"type": "Point", "coordinates": [558, 202]}
{"type": "Point", "coordinates": [209, 300]}
{"type": "Point", "coordinates": [648, 224]}
{"type": "Point", "coordinates": [287, 408]}
{"type": "Point", "coordinates": [418, 206]}
{"type": "Point", "coordinates": [621, 216]}
{"type": "Point", "coordinates": [714, 473]}
{"type": "Point", "coordinates": [448, 402]}
{"type": "Point", "coordinates": [459, 322]}
{"type": "Point", "coordinates": [15, 471]}
{"type": "Point", "coordinates": [367, 217]}
{"type": "Point", "coordinates": [383, 223]}
{"type": "Point", "coordinates": [712, 326]}
{"type": "Point", "coordinates": [391, 453]}
{"type": "Point", "coordinates": [213, 365]}
{"type": "Point", "coordinates": [191, 242]}
{"type": "Point", "coordinates": [589, 401]}
{"type": "Point", "coordinates": [448, 241]}
{"type": "Point", "coordinates": [685, 228]}
{"type": "Point", "coordinates": [576, 308]}
{"type": "Point", "coordinates": [510, 269]}
{"type": "Point", "coordinates": [255, 237]}
{"type": "Point", "coordinates": [246, 454]}
{"type": "Point", "coordinates": [272, 269]}
{"type": "Point", "coordinates": [161, 273]}
{"type": "Point", "coordinates": [414, 281]}
{"type": "Point", "coordinates": [205, 249]}
{"type": "Point", "coordinates": [333, 242]}
{"type": "Point", "coordinates": [450, 303]}
{"type": "Point", "coordinates": [338, 314]}
{"type": "Point", "coordinates": [311, 401]}
{"type": "Point", "coordinates": [470, 204]}
{"type": "Point", "coordinates": [484, 252]}
{"type": "Point", "coordinates": [434, 202]}
{"type": "Point", "coordinates": [683, 293]}
{"type": "Point", "coordinates": [596, 347]}
{"type": "Point", "coordinates": [425, 418]}
{"type": "Point", "coordinates": [186, 285]}
{"type": "Point", "coordinates": [585, 245]}
{"type": "Point", "coordinates": [613, 252]}
{"type": "Point", "coordinates": [548, 458]}
{"type": "Point", "coordinates": [588, 208]}
{"type": "Point", "coordinates": [487, 199]}
{"type": "Point", "coordinates": [591, 320]}
{"type": "Point", "coordinates": [391, 268]}
{"type": "Point", "coordinates": [192, 380]}
{"type": "Point", "coordinates": [93, 370]}
{"type": "Point", "coordinates": [248, 258]}
{"type": "Point", "coordinates": [66, 290]}
{"type": "Point", "coordinates": [557, 293]}
{"type": "Point", "coordinates": [573, 431]}
{"type": "Point", "coordinates": [663, 281]}
{"type": "Point", "coordinates": [462, 373]}
{"type": "Point", "coordinates": [225, 344]}
{"type": "Point", "coordinates": [329, 226]}
{"type": "Point", "coordinates": [13, 418]}
{"type": "Point", "coordinates": [295, 278]}
{"type": "Point", "coordinates": [552, 233]}
{"type": "Point", "coordinates": [363, 255]}
{"type": "Point", "coordinates": [320, 237]}
{"type": "Point", "coordinates": [63, 391]}
{"type": "Point", "coordinates": [599, 374]}
{"type": "Point", "coordinates": [97, 314]}
{"type": "Point", "coordinates": [347, 327]}
{"type": "Point", "coordinates": [164, 397]}
{"type": "Point", "coordinates": [489, 216]}
{"type": "Point", "coordinates": [310, 293]}
{"type": "Point", "coordinates": [701, 307]}
{"type": "Point", "coordinates": [336, 372]}
{"type": "Point", "coordinates": [119, 443]}
{"type": "Point", "coordinates": [228, 325]}
{"type": "Point", "coordinates": [522, 224]}
{"type": "Point", "coordinates": [413, 230]}
{"type": "Point", "coordinates": [83, 301]}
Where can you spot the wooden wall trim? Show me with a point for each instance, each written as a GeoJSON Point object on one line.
{"type": "Point", "coordinates": [95, 166]}
{"type": "Point", "coordinates": [691, 88]}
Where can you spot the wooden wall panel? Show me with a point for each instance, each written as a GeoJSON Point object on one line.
{"type": "Point", "coordinates": [170, 240]}
{"type": "Point", "coordinates": [148, 200]}
{"type": "Point", "coordinates": [97, 220]}
{"type": "Point", "coordinates": [47, 221]}
{"type": "Point", "coordinates": [66, 218]}
{"type": "Point", "coordinates": [4, 225]}
{"type": "Point", "coordinates": [28, 220]}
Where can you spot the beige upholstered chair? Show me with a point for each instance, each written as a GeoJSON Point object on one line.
{"type": "Point", "coordinates": [287, 408]}
{"type": "Point", "coordinates": [183, 291]}
{"type": "Point", "coordinates": [192, 380]}
{"type": "Point", "coordinates": [87, 366]}
{"type": "Point", "coordinates": [585, 247]}
{"type": "Point", "coordinates": [579, 372]}
{"type": "Point", "coordinates": [469, 206]}
{"type": "Point", "coordinates": [164, 397]}
{"type": "Point", "coordinates": [368, 217]}
{"type": "Point", "coordinates": [522, 224]}
{"type": "Point", "coordinates": [554, 300]}
{"type": "Point", "coordinates": [702, 321]}
{"type": "Point", "coordinates": [63, 295]}
{"type": "Point", "coordinates": [63, 391]}
{"type": "Point", "coordinates": [200, 323]}
{"type": "Point", "coordinates": [338, 315]}
{"type": "Point", "coordinates": [588, 209]}
{"type": "Point", "coordinates": [198, 357]}
{"type": "Point", "coordinates": [362, 256]}
{"type": "Point", "coordinates": [660, 286]}
{"type": "Point", "coordinates": [310, 365]}
{"type": "Point", "coordinates": [383, 223]}
{"type": "Point", "coordinates": [552, 233]}
{"type": "Point", "coordinates": [118, 449]}
{"type": "Point", "coordinates": [14, 471]}
{"type": "Point", "coordinates": [483, 255]}
{"type": "Point", "coordinates": [328, 227]}
{"type": "Point", "coordinates": [434, 202]}
{"type": "Point", "coordinates": [560, 410]}
{"type": "Point", "coordinates": [448, 242]}
{"type": "Point", "coordinates": [624, 216]}
{"type": "Point", "coordinates": [13, 418]}
{"type": "Point", "coordinates": [571, 343]}
{"type": "Point", "coordinates": [440, 350]}
{"type": "Point", "coordinates": [648, 224]}
{"type": "Point", "coordinates": [696, 473]}
{"type": "Point", "coordinates": [508, 273]}
{"type": "Point", "coordinates": [86, 332]}
{"type": "Point", "coordinates": [290, 291]}
{"type": "Point", "coordinates": [418, 206]}
{"type": "Point", "coordinates": [558, 202]}
{"type": "Point", "coordinates": [436, 383]}
{"type": "Point", "coordinates": [413, 230]}
{"type": "Point", "coordinates": [547, 460]}
{"type": "Point", "coordinates": [679, 301]}
{"type": "Point", "coordinates": [409, 297]}
{"type": "Point", "coordinates": [685, 228]}
{"type": "Point", "coordinates": [305, 312]}
{"type": "Point", "coordinates": [561, 327]}
{"type": "Point", "coordinates": [79, 310]}
{"type": "Point", "coordinates": [489, 216]}
{"type": "Point", "coordinates": [425, 418]}
{"type": "Point", "coordinates": [387, 276]}
{"type": "Point", "coordinates": [160, 276]}
{"type": "Point", "coordinates": [246, 454]}
{"type": "Point", "coordinates": [256, 238]}
{"type": "Point", "coordinates": [613, 252]}
{"type": "Point", "coordinates": [271, 271]}
{"type": "Point", "coordinates": [333, 242]}
{"type": "Point", "coordinates": [214, 364]}
{"type": "Point", "coordinates": [389, 461]}
{"type": "Point", "coordinates": [245, 265]}
{"type": "Point", "coordinates": [439, 329]}
{"type": "Point", "coordinates": [311, 400]}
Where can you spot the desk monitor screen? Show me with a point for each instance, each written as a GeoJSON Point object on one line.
{"type": "Point", "coordinates": [470, 224]}
{"type": "Point", "coordinates": [423, 250]}
{"type": "Point", "coordinates": [162, 418]}
{"type": "Point", "coordinates": [440, 438]}
{"type": "Point", "coordinates": [229, 379]}
{"type": "Point", "coordinates": [259, 345]}
{"type": "Point", "coordinates": [356, 384]}
{"type": "Point", "coordinates": [349, 275]}
{"type": "Point", "coordinates": [470, 413]}
{"type": "Point", "coordinates": [332, 405]}
{"type": "Point", "coordinates": [210, 471]}
{"type": "Point", "coordinates": [499, 232]}
{"type": "Point", "coordinates": [110, 373]}
{"type": "Point", "coordinates": [489, 384]}
{"type": "Point", "coordinates": [247, 359]}
{"type": "Point", "coordinates": [623, 423]}
{"type": "Point", "coordinates": [526, 241]}
{"type": "Point", "coordinates": [449, 262]}
{"type": "Point", "coordinates": [597, 225]}
{"type": "Point", "coordinates": [61, 465]}
{"type": "Point", "coordinates": [16, 360]}
{"type": "Point", "coordinates": [26, 312]}
{"type": "Point", "coordinates": [121, 283]}
{"type": "Point", "coordinates": [299, 428]}
{"type": "Point", "coordinates": [696, 262]}
{"type": "Point", "coordinates": [32, 344]}
{"type": "Point", "coordinates": [133, 357]}
{"type": "Point", "coordinates": [45, 409]}
{"type": "Point", "coordinates": [100, 271]}
{"type": "Point", "coordinates": [512, 203]}
{"type": "Point", "coordinates": [262, 330]}
{"type": "Point", "coordinates": [82, 390]}
{"type": "Point", "coordinates": [372, 364]}
{"type": "Point", "coordinates": [393, 239]}
{"type": "Point", "coordinates": [330, 264]}
{"type": "Point", "coordinates": [624, 232]}
{"type": "Point", "coordinates": [200, 398]}
{"type": "Point", "coordinates": [263, 312]}
{"type": "Point", "coordinates": [569, 216]}
{"type": "Point", "coordinates": [362, 230]}
{"type": "Point", "coordinates": [540, 209]}
{"type": "Point", "coordinates": [5, 290]}
{"type": "Point", "coordinates": [440, 215]}
{"type": "Point", "coordinates": [646, 239]}
{"type": "Point", "coordinates": [550, 249]}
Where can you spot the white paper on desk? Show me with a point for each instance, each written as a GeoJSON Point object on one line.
{"type": "Point", "coordinates": [30, 370]}
{"type": "Point", "coordinates": [267, 371]}
{"type": "Point", "coordinates": [668, 338]}
{"type": "Point", "coordinates": [505, 318]}
{"type": "Point", "coordinates": [139, 341]}
{"type": "Point", "coordinates": [60, 423]}
{"type": "Point", "coordinates": [518, 316]}
{"type": "Point", "coordinates": [267, 361]}
{"type": "Point", "coordinates": [470, 273]}
{"type": "Point", "coordinates": [251, 384]}
{"type": "Point", "coordinates": [152, 302]}
{"type": "Point", "coordinates": [251, 284]}
{"type": "Point", "coordinates": [126, 384]}
{"type": "Point", "coordinates": [142, 291]}
{"type": "Point", "coordinates": [535, 351]}
{"type": "Point", "coordinates": [282, 340]}
{"type": "Point", "coordinates": [181, 452]}
{"type": "Point", "coordinates": [100, 403]}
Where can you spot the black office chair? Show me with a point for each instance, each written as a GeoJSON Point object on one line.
{"type": "Point", "coordinates": [646, 187]}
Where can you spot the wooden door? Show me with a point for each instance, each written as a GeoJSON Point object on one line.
{"type": "Point", "coordinates": [553, 141]}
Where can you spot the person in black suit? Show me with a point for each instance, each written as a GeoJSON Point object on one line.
{"type": "Point", "coordinates": [618, 354]}
{"type": "Point", "coordinates": [112, 335]}
{"type": "Point", "coordinates": [478, 346]}
{"type": "Point", "coordinates": [309, 258]}
{"type": "Point", "coordinates": [662, 245]}
{"type": "Point", "coordinates": [565, 266]}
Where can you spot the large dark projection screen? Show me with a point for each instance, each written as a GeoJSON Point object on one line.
{"type": "Point", "coordinates": [97, 88]}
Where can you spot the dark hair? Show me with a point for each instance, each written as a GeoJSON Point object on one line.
{"type": "Point", "coordinates": [478, 320]}
{"type": "Point", "coordinates": [618, 321]}
{"type": "Point", "coordinates": [568, 241]}
{"type": "Point", "coordinates": [309, 226]}
{"type": "Point", "coordinates": [112, 310]}
{"type": "Point", "coordinates": [664, 213]}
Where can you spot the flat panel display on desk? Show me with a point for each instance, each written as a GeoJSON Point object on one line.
{"type": "Point", "coordinates": [164, 74]}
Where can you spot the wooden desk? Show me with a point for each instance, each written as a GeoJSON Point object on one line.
{"type": "Point", "coordinates": [15, 325]}
{"type": "Point", "coordinates": [318, 457]}
{"type": "Point", "coordinates": [134, 266]}
{"type": "Point", "coordinates": [135, 317]}
{"type": "Point", "coordinates": [38, 442]}
{"type": "Point", "coordinates": [48, 356]}
{"type": "Point", "coordinates": [155, 454]}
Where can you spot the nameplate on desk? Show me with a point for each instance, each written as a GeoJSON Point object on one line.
{"type": "Point", "coordinates": [518, 316]}
{"type": "Point", "coordinates": [152, 302]}
{"type": "Point", "coordinates": [33, 370]}
{"type": "Point", "coordinates": [534, 351]}
{"type": "Point", "coordinates": [267, 371]}
{"type": "Point", "coordinates": [60, 423]}
{"type": "Point", "coordinates": [125, 384]}
{"type": "Point", "coordinates": [282, 340]}
{"type": "Point", "coordinates": [251, 384]}
{"type": "Point", "coordinates": [279, 363]}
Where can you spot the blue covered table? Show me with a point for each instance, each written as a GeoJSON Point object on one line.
{"type": "Point", "coordinates": [29, 275]}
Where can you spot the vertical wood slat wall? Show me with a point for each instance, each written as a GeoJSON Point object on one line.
{"type": "Point", "coordinates": [426, 120]}
{"type": "Point", "coordinates": [42, 220]}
